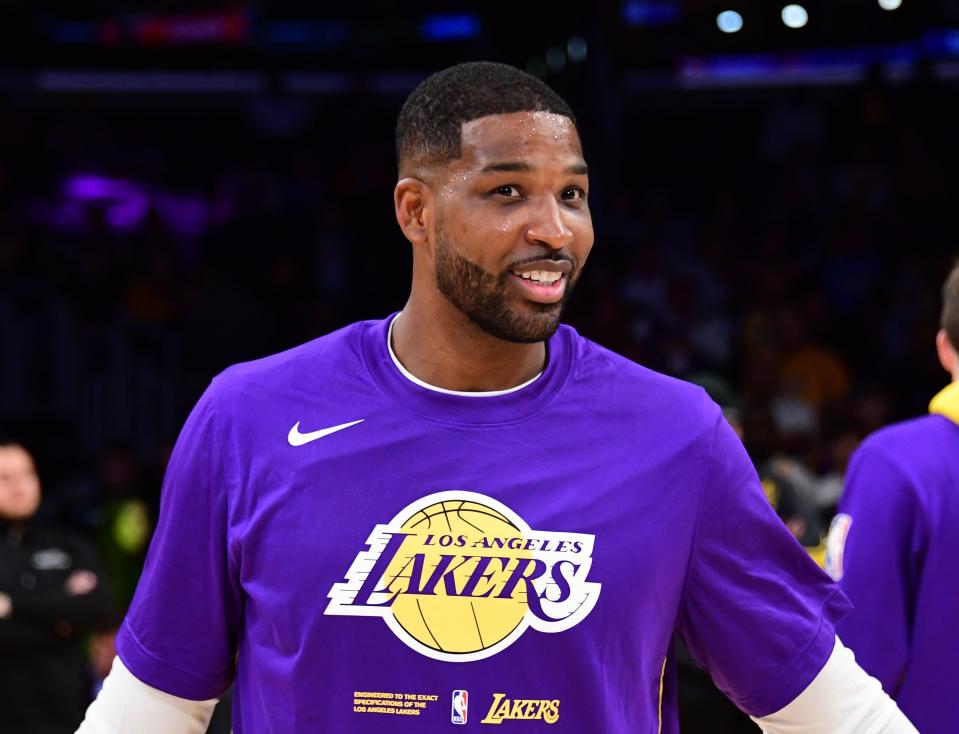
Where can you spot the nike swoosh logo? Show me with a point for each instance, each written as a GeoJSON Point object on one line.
{"type": "Point", "coordinates": [299, 439]}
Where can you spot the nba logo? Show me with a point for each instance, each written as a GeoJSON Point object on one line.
{"type": "Point", "coordinates": [460, 702]}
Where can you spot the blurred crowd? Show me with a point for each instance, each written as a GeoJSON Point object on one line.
{"type": "Point", "coordinates": [783, 249]}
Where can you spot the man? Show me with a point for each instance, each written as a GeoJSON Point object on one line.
{"type": "Point", "coordinates": [50, 592]}
{"type": "Point", "coordinates": [894, 547]}
{"type": "Point", "coordinates": [467, 514]}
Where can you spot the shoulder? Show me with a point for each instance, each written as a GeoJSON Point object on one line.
{"type": "Point", "coordinates": [620, 384]}
{"type": "Point", "coordinates": [886, 438]}
{"type": "Point", "coordinates": [327, 351]}
{"type": "Point", "coordinates": [917, 454]}
{"type": "Point", "coordinates": [313, 364]}
{"type": "Point", "coordinates": [269, 393]}
{"type": "Point", "coordinates": [667, 417]}
{"type": "Point", "coordinates": [906, 444]}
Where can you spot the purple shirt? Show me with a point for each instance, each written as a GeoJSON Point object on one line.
{"type": "Point", "coordinates": [895, 545]}
{"type": "Point", "coordinates": [520, 560]}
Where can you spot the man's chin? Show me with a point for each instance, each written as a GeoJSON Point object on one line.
{"type": "Point", "coordinates": [525, 325]}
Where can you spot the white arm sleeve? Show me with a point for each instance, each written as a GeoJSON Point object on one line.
{"type": "Point", "coordinates": [126, 705]}
{"type": "Point", "coordinates": [842, 699]}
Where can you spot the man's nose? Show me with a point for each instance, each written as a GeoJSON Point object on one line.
{"type": "Point", "coordinates": [547, 225]}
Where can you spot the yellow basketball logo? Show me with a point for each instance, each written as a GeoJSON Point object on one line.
{"type": "Point", "coordinates": [458, 576]}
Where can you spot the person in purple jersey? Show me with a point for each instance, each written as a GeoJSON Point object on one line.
{"type": "Point", "coordinates": [894, 546]}
{"type": "Point", "coordinates": [466, 514]}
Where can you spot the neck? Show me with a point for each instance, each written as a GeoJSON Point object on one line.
{"type": "Point", "coordinates": [442, 347]}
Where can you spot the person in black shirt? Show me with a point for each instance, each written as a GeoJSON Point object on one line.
{"type": "Point", "coordinates": [51, 591]}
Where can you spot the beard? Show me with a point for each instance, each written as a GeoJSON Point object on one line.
{"type": "Point", "coordinates": [491, 302]}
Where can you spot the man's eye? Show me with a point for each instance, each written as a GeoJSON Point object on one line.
{"type": "Point", "coordinates": [573, 193]}
{"type": "Point", "coordinates": [510, 191]}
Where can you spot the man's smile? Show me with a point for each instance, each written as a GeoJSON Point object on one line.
{"type": "Point", "coordinates": [540, 286]}
{"type": "Point", "coordinates": [543, 280]}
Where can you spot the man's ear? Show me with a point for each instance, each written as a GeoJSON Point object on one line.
{"type": "Point", "coordinates": [947, 353]}
{"type": "Point", "coordinates": [413, 203]}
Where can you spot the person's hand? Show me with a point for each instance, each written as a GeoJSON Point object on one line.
{"type": "Point", "coordinates": [81, 582]}
{"type": "Point", "coordinates": [6, 606]}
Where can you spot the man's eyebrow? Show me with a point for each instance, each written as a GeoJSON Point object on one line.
{"type": "Point", "coordinates": [578, 169]}
{"type": "Point", "coordinates": [508, 167]}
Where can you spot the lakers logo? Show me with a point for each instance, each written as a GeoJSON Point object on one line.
{"type": "Point", "coordinates": [458, 576]}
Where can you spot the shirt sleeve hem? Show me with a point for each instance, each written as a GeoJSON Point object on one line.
{"type": "Point", "coordinates": [795, 677]}
{"type": "Point", "coordinates": [150, 669]}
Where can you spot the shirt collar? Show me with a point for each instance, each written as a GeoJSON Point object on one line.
{"type": "Point", "coordinates": [416, 380]}
{"type": "Point", "coordinates": [947, 403]}
{"type": "Point", "coordinates": [468, 409]}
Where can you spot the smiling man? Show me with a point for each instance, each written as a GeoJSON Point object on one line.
{"type": "Point", "coordinates": [466, 514]}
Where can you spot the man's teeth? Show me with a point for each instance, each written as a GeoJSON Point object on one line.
{"type": "Point", "coordinates": [542, 276]}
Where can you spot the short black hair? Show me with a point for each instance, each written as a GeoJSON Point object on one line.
{"type": "Point", "coordinates": [950, 306]}
{"type": "Point", "coordinates": [430, 123]}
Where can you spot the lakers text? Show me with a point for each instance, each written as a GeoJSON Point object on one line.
{"type": "Point", "coordinates": [521, 709]}
{"type": "Point", "coordinates": [459, 577]}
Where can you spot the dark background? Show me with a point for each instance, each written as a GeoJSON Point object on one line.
{"type": "Point", "coordinates": [185, 185]}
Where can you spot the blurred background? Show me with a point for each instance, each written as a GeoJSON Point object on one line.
{"type": "Point", "coordinates": [185, 184]}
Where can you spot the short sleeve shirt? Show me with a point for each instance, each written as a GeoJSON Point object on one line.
{"type": "Point", "coordinates": [894, 547]}
{"type": "Point", "coordinates": [365, 554]}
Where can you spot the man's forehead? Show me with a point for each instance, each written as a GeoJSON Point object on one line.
{"type": "Point", "coordinates": [514, 135]}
